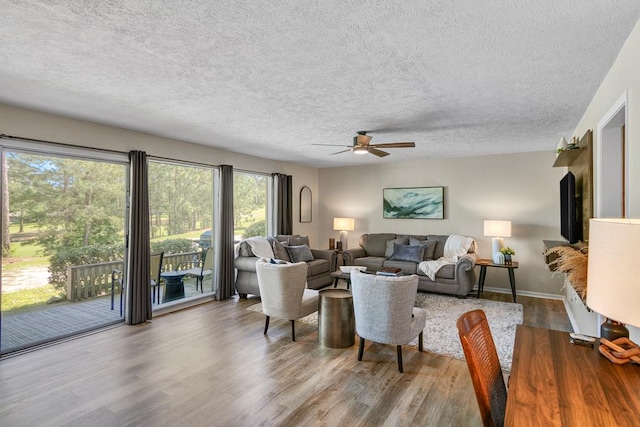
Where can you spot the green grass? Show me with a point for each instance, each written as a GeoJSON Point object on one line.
{"type": "Point", "coordinates": [27, 299]}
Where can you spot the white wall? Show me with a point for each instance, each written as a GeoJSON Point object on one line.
{"type": "Point", "coordinates": [624, 76]}
{"type": "Point", "coordinates": [26, 123]}
{"type": "Point", "coordinates": [522, 188]}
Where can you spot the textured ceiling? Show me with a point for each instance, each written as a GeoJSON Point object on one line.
{"type": "Point", "coordinates": [270, 78]}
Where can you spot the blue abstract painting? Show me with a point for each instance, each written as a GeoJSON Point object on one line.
{"type": "Point", "coordinates": [419, 202]}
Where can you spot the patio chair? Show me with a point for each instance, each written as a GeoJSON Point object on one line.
{"type": "Point", "coordinates": [385, 312]}
{"type": "Point", "coordinates": [117, 276]}
{"type": "Point", "coordinates": [199, 269]}
{"type": "Point", "coordinates": [156, 269]}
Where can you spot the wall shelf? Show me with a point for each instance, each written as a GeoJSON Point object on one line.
{"type": "Point", "coordinates": [567, 157]}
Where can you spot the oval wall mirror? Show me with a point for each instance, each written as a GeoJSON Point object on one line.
{"type": "Point", "coordinates": [305, 204]}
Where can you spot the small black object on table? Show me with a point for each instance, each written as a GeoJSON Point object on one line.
{"type": "Point", "coordinates": [484, 263]}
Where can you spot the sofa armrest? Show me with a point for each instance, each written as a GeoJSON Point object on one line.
{"type": "Point", "coordinates": [349, 255]}
{"type": "Point", "coordinates": [245, 263]}
{"type": "Point", "coordinates": [325, 254]}
{"type": "Point", "coordinates": [467, 262]}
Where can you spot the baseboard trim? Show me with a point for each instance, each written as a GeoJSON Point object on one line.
{"type": "Point", "coordinates": [523, 293]}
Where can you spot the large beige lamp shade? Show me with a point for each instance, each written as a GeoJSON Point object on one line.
{"type": "Point", "coordinates": [613, 279]}
{"type": "Point", "coordinates": [344, 225]}
{"type": "Point", "coordinates": [497, 230]}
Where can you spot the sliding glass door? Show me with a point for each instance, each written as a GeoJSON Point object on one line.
{"type": "Point", "coordinates": [181, 215]}
{"type": "Point", "coordinates": [63, 218]}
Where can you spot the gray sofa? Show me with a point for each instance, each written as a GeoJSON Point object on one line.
{"type": "Point", "coordinates": [373, 253]}
{"type": "Point", "coordinates": [318, 272]}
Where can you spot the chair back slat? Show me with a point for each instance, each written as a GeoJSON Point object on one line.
{"type": "Point", "coordinates": [484, 366]}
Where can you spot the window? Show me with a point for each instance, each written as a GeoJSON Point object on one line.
{"type": "Point", "coordinates": [251, 192]}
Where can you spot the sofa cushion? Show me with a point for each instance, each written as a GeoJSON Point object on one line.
{"type": "Point", "coordinates": [407, 253]}
{"type": "Point", "coordinates": [440, 241]}
{"type": "Point", "coordinates": [429, 247]}
{"type": "Point", "coordinates": [401, 241]}
{"type": "Point", "coordinates": [280, 251]}
{"type": "Point", "coordinates": [406, 267]}
{"type": "Point", "coordinates": [293, 239]}
{"type": "Point", "coordinates": [375, 244]}
{"type": "Point", "coordinates": [373, 263]}
{"type": "Point", "coordinates": [318, 266]}
{"type": "Point", "coordinates": [446, 272]}
{"type": "Point", "coordinates": [299, 253]}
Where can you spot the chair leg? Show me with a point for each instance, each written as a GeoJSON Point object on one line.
{"type": "Point", "coordinates": [266, 324]}
{"type": "Point", "coordinates": [360, 349]}
{"type": "Point", "coordinates": [293, 330]}
{"type": "Point", "coordinates": [420, 341]}
{"type": "Point", "coordinates": [400, 358]}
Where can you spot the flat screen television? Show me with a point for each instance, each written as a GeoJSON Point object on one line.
{"type": "Point", "coordinates": [570, 227]}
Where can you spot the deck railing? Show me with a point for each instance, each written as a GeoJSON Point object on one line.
{"type": "Point", "coordinates": [92, 280]}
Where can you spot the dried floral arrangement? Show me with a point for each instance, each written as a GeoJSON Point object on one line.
{"type": "Point", "coordinates": [572, 262]}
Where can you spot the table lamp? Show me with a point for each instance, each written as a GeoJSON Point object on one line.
{"type": "Point", "coordinates": [497, 230]}
{"type": "Point", "coordinates": [344, 225]}
{"type": "Point", "coordinates": [613, 284]}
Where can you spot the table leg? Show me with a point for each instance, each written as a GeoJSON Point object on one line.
{"type": "Point", "coordinates": [483, 273]}
{"type": "Point", "coordinates": [512, 282]}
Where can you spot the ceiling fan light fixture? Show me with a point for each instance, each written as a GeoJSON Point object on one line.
{"type": "Point", "coordinates": [360, 150]}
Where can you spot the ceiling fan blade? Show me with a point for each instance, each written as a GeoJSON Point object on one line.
{"type": "Point", "coordinates": [340, 152]}
{"type": "Point", "coordinates": [362, 139]}
{"type": "Point", "coordinates": [395, 145]}
{"type": "Point", "coordinates": [378, 153]}
{"type": "Point", "coordinates": [333, 145]}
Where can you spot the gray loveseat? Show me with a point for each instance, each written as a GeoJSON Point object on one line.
{"type": "Point", "coordinates": [373, 253]}
{"type": "Point", "coordinates": [318, 273]}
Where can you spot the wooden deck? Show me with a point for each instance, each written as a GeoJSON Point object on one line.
{"type": "Point", "coordinates": [63, 319]}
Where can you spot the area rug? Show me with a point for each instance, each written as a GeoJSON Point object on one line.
{"type": "Point", "coordinates": [441, 334]}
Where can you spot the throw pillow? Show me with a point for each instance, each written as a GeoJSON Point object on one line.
{"type": "Point", "coordinates": [277, 261]}
{"type": "Point", "coordinates": [280, 251]}
{"type": "Point", "coordinates": [390, 243]}
{"type": "Point", "coordinates": [299, 253]}
{"type": "Point", "coordinates": [407, 253]}
{"type": "Point", "coordinates": [429, 247]}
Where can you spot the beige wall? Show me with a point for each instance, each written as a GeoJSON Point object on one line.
{"type": "Point", "coordinates": [32, 124]}
{"type": "Point", "coordinates": [623, 77]}
{"type": "Point", "coordinates": [522, 188]}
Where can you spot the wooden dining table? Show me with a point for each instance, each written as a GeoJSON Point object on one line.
{"type": "Point", "coordinates": [556, 383]}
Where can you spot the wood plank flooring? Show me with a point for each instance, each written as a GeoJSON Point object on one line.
{"type": "Point", "coordinates": [211, 365]}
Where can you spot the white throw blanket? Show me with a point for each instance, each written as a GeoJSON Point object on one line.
{"type": "Point", "coordinates": [455, 247]}
{"type": "Point", "coordinates": [260, 247]}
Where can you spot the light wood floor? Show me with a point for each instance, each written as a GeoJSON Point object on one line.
{"type": "Point", "coordinates": [211, 365]}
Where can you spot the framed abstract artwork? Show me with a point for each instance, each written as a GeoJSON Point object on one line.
{"type": "Point", "coordinates": [413, 203]}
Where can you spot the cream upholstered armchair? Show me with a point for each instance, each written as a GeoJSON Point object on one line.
{"type": "Point", "coordinates": [385, 312]}
{"type": "Point", "coordinates": [283, 292]}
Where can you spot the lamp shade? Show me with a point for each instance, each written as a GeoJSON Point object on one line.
{"type": "Point", "coordinates": [613, 284]}
{"type": "Point", "coordinates": [344, 224]}
{"type": "Point", "coordinates": [497, 228]}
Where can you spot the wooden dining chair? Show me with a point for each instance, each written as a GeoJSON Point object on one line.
{"type": "Point", "coordinates": [484, 366]}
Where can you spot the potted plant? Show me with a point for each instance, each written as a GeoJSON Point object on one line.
{"type": "Point", "coordinates": [507, 252]}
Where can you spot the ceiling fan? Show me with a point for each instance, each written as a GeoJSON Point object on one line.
{"type": "Point", "coordinates": [361, 145]}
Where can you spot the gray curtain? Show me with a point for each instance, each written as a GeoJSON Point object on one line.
{"type": "Point", "coordinates": [226, 276]}
{"type": "Point", "coordinates": [284, 203]}
{"type": "Point", "coordinates": [139, 271]}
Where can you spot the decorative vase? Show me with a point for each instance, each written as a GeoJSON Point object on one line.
{"type": "Point", "coordinates": [507, 259]}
